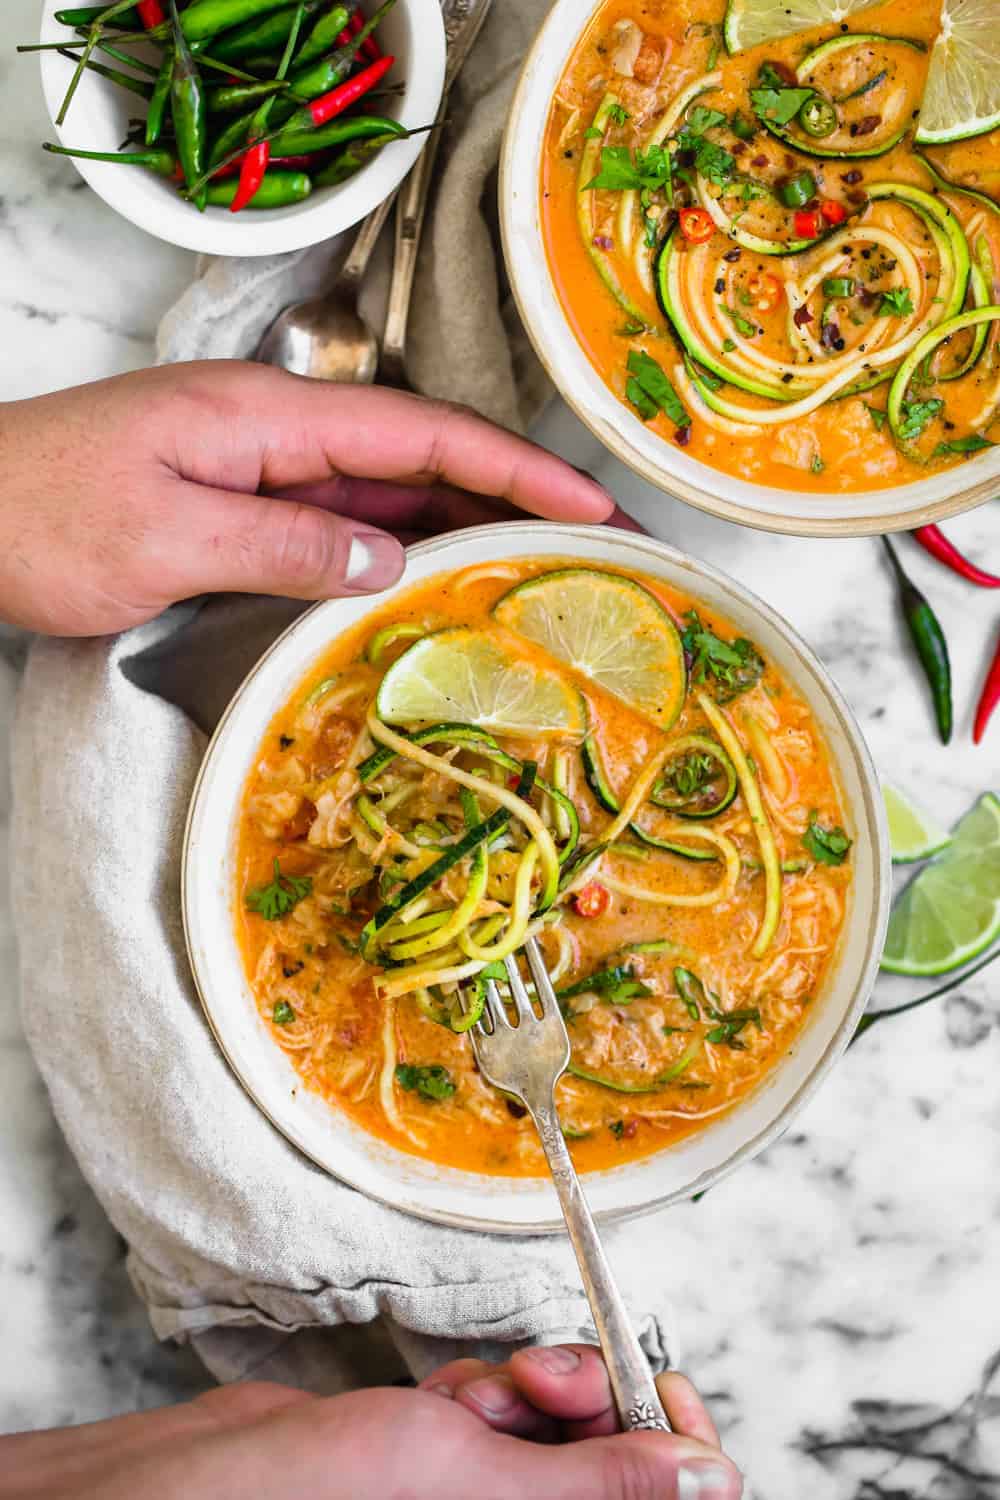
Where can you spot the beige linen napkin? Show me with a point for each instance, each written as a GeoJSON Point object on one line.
{"type": "Point", "coordinates": [237, 1242]}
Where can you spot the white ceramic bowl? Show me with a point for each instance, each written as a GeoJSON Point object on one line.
{"type": "Point", "coordinates": [663, 463]}
{"type": "Point", "coordinates": [98, 119]}
{"type": "Point", "coordinates": [499, 1203]}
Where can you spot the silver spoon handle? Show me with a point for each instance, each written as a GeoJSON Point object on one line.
{"type": "Point", "coordinates": [632, 1384]}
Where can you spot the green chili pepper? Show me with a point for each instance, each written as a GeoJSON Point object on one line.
{"type": "Point", "coordinates": [297, 141]}
{"type": "Point", "coordinates": [163, 163]}
{"type": "Point", "coordinates": [797, 190]}
{"type": "Point", "coordinates": [130, 62]}
{"type": "Point", "coordinates": [206, 18]}
{"type": "Point", "coordinates": [83, 15]}
{"type": "Point", "coordinates": [239, 95]}
{"type": "Point", "coordinates": [323, 37]}
{"type": "Point", "coordinates": [160, 97]}
{"type": "Point", "coordinates": [928, 638]}
{"type": "Point", "coordinates": [351, 160]}
{"type": "Point", "coordinates": [113, 75]}
{"type": "Point", "coordinates": [262, 35]}
{"type": "Point", "coordinates": [187, 98]}
{"type": "Point", "coordinates": [838, 286]}
{"type": "Point", "coordinates": [277, 190]}
{"type": "Point", "coordinates": [818, 117]}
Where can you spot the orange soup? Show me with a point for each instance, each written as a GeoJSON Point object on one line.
{"type": "Point", "coordinates": [759, 257]}
{"type": "Point", "coordinates": [484, 759]}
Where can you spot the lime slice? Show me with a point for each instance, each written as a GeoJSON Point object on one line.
{"type": "Point", "coordinates": [608, 628]}
{"type": "Point", "coordinates": [468, 675]}
{"type": "Point", "coordinates": [750, 22]}
{"type": "Point", "coordinates": [913, 834]}
{"type": "Point", "coordinates": [950, 912]}
{"type": "Point", "coordinates": [962, 92]}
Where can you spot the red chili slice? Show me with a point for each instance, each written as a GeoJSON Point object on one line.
{"type": "Point", "coordinates": [593, 900]}
{"type": "Point", "coordinates": [807, 222]}
{"type": "Point", "coordinates": [696, 225]}
{"type": "Point", "coordinates": [832, 211]}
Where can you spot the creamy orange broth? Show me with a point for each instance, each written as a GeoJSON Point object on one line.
{"type": "Point", "coordinates": [337, 1040]}
{"type": "Point", "coordinates": [839, 446]}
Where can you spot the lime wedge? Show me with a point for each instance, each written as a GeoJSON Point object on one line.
{"type": "Point", "coordinates": [962, 93]}
{"type": "Point", "coordinates": [607, 628]}
{"type": "Point", "coordinates": [750, 22]}
{"type": "Point", "coordinates": [467, 675]}
{"type": "Point", "coordinates": [950, 912]}
{"type": "Point", "coordinates": [913, 834]}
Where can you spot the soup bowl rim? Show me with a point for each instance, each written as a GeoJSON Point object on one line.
{"type": "Point", "coordinates": [919, 502]}
{"type": "Point", "coordinates": [325, 1135]}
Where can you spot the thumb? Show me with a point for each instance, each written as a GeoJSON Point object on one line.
{"type": "Point", "coordinates": [232, 543]}
{"type": "Point", "coordinates": [630, 1466]}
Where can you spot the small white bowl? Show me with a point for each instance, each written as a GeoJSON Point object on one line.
{"type": "Point", "coordinates": [504, 1204]}
{"type": "Point", "coordinates": [98, 120]}
{"type": "Point", "coordinates": [663, 463]}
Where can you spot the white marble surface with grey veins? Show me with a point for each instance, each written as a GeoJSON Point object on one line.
{"type": "Point", "coordinates": [838, 1297]}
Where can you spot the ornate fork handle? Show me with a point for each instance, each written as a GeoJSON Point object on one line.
{"type": "Point", "coordinates": [632, 1384]}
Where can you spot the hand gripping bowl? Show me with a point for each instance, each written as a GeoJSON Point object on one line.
{"type": "Point", "coordinates": [501, 1204]}
{"type": "Point", "coordinates": [663, 463]}
{"type": "Point", "coordinates": [98, 120]}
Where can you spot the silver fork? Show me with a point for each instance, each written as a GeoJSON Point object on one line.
{"type": "Point", "coordinates": [527, 1060]}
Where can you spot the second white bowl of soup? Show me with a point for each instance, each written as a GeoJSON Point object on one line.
{"type": "Point", "coordinates": [400, 789]}
{"type": "Point", "coordinates": [688, 267]}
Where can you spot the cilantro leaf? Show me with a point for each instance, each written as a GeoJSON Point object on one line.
{"type": "Point", "coordinates": [918, 415]}
{"type": "Point", "coordinates": [829, 846]}
{"type": "Point", "coordinates": [877, 415]}
{"type": "Point", "coordinates": [650, 379]}
{"type": "Point", "coordinates": [277, 899]}
{"type": "Point", "coordinates": [646, 171]}
{"type": "Point", "coordinates": [898, 303]}
{"type": "Point", "coordinates": [779, 105]}
{"type": "Point", "coordinates": [618, 985]}
{"type": "Point", "coordinates": [731, 667]}
{"type": "Point", "coordinates": [618, 113]}
{"type": "Point", "coordinates": [430, 1081]}
{"type": "Point", "coordinates": [701, 119]}
{"type": "Point", "coordinates": [739, 322]}
{"type": "Point", "coordinates": [283, 1014]}
{"type": "Point", "coordinates": [974, 443]}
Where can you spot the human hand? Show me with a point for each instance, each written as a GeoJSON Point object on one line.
{"type": "Point", "coordinates": [279, 1444]}
{"type": "Point", "coordinates": [119, 498]}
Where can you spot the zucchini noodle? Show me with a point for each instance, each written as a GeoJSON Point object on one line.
{"type": "Point", "coordinates": [387, 1076]}
{"type": "Point", "coordinates": [720, 892]}
{"type": "Point", "coordinates": [459, 919]}
{"type": "Point", "coordinates": [522, 810]}
{"type": "Point", "coordinates": [693, 396]}
{"type": "Point", "coordinates": [520, 914]}
{"type": "Point", "coordinates": [729, 740]}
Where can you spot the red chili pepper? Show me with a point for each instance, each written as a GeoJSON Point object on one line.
{"type": "Point", "coordinates": [934, 541]}
{"type": "Point", "coordinates": [593, 900]}
{"type": "Point", "coordinates": [513, 782]}
{"type": "Point", "coordinates": [328, 106]}
{"type": "Point", "coordinates": [989, 698]}
{"type": "Point", "coordinates": [369, 46]}
{"type": "Point", "coordinates": [252, 170]}
{"type": "Point", "coordinates": [308, 163]}
{"type": "Point", "coordinates": [806, 224]}
{"type": "Point", "coordinates": [832, 211]}
{"type": "Point", "coordinates": [151, 13]}
{"type": "Point", "coordinates": [696, 225]}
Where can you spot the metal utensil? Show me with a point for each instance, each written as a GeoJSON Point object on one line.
{"type": "Point", "coordinates": [463, 20]}
{"type": "Point", "coordinates": [527, 1060]}
{"type": "Point", "coordinates": [326, 337]}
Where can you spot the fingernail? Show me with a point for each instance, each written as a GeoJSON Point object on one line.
{"type": "Point", "coordinates": [374, 561]}
{"type": "Point", "coordinates": [697, 1480]}
{"type": "Point", "coordinates": [556, 1360]}
{"type": "Point", "coordinates": [493, 1395]}
{"type": "Point", "coordinates": [441, 1390]}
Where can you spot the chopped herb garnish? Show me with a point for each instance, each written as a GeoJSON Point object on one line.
{"type": "Point", "coordinates": [817, 466]}
{"type": "Point", "coordinates": [732, 667]}
{"type": "Point", "coordinates": [283, 1014]}
{"type": "Point", "coordinates": [618, 113]}
{"type": "Point", "coordinates": [829, 846]}
{"type": "Point", "coordinates": [974, 443]}
{"type": "Point", "coordinates": [731, 1023]}
{"type": "Point", "coordinates": [710, 159]}
{"type": "Point", "coordinates": [430, 1081]}
{"type": "Point", "coordinates": [918, 415]}
{"type": "Point", "coordinates": [592, 133]}
{"type": "Point", "coordinates": [617, 1128]}
{"type": "Point", "coordinates": [650, 382]}
{"type": "Point", "coordinates": [692, 992]}
{"type": "Point", "coordinates": [742, 129]}
{"type": "Point", "coordinates": [728, 346]}
{"type": "Point", "coordinates": [739, 322]}
{"type": "Point", "coordinates": [618, 985]}
{"type": "Point", "coordinates": [898, 303]}
{"type": "Point", "coordinates": [877, 415]}
{"type": "Point", "coordinates": [631, 328]}
{"type": "Point", "coordinates": [277, 899]}
{"type": "Point", "coordinates": [863, 88]}
{"type": "Point", "coordinates": [779, 105]}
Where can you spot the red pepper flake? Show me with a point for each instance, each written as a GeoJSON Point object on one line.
{"type": "Point", "coordinates": [807, 223]}
{"type": "Point", "coordinates": [801, 316]}
{"type": "Point", "coordinates": [683, 436]}
{"type": "Point", "coordinates": [857, 196]}
{"type": "Point", "coordinates": [866, 126]}
{"type": "Point", "coordinates": [603, 242]}
{"type": "Point", "coordinates": [758, 161]}
{"type": "Point", "coordinates": [830, 336]}
{"type": "Point", "coordinates": [732, 255]}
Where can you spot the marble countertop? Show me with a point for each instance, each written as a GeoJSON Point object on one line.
{"type": "Point", "coordinates": [838, 1296]}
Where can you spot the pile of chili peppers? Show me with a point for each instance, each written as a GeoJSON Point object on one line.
{"type": "Point", "coordinates": [928, 637]}
{"type": "Point", "coordinates": [252, 103]}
